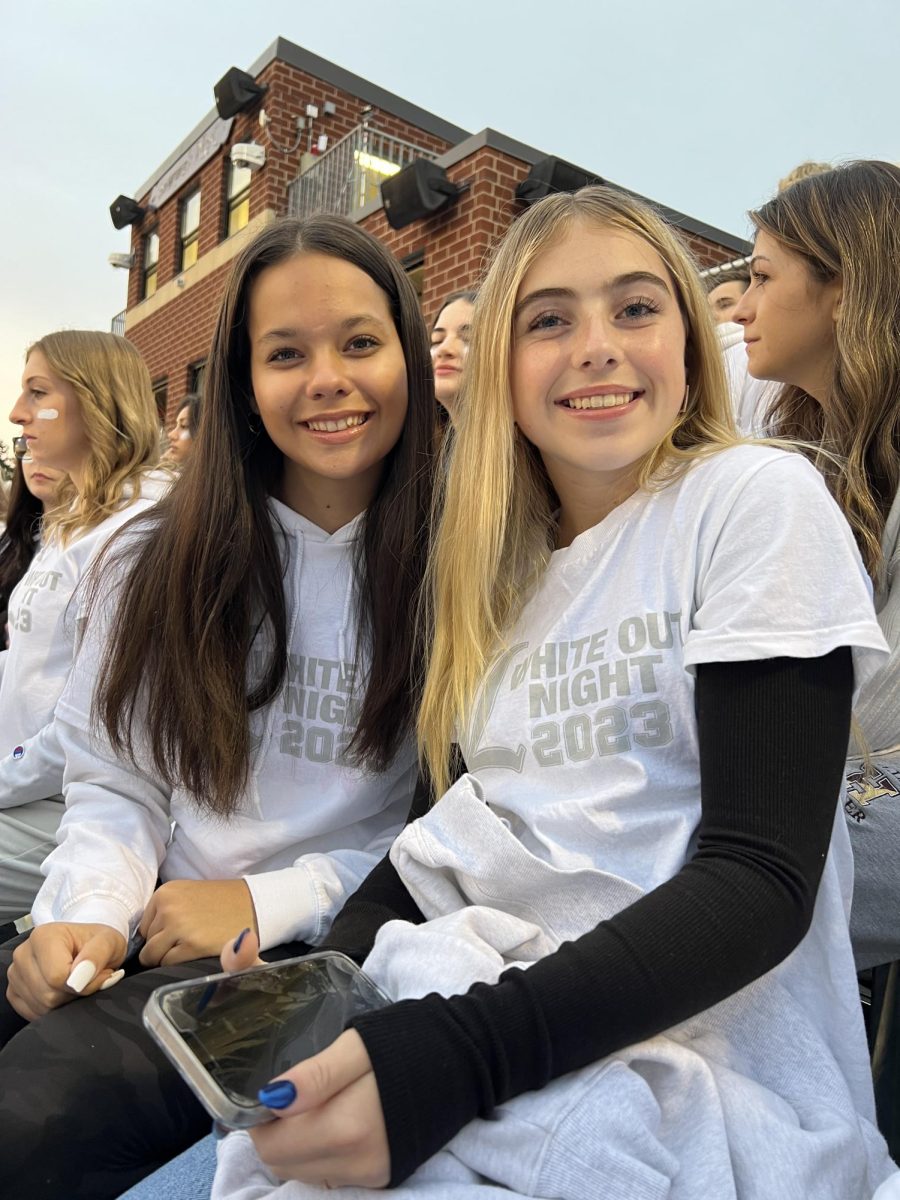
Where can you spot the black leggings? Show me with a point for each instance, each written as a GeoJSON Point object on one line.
{"type": "Point", "coordinates": [88, 1104]}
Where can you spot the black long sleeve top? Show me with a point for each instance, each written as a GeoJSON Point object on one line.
{"type": "Point", "coordinates": [772, 741]}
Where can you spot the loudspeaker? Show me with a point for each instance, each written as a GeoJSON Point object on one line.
{"type": "Point", "coordinates": [551, 175]}
{"type": "Point", "coordinates": [125, 211]}
{"type": "Point", "coordinates": [417, 191]}
{"type": "Point", "coordinates": [235, 91]}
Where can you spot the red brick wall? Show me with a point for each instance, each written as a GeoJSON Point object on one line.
{"type": "Point", "coordinates": [179, 335]}
{"type": "Point", "coordinates": [289, 92]}
{"type": "Point", "coordinates": [457, 242]}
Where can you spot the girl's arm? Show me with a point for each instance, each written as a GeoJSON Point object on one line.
{"type": "Point", "coordinates": [772, 738]}
{"type": "Point", "coordinates": [33, 770]}
{"type": "Point", "coordinates": [111, 840]}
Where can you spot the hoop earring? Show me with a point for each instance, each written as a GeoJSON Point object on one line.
{"type": "Point", "coordinates": [254, 422]}
{"type": "Point", "coordinates": [687, 396]}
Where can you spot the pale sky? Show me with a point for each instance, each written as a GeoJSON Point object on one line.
{"type": "Point", "coordinates": [702, 105]}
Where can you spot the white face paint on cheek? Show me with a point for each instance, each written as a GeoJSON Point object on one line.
{"type": "Point", "coordinates": [47, 414]}
{"type": "Point", "coordinates": [184, 436]}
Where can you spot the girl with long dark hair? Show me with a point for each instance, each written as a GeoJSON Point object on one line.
{"type": "Point", "coordinates": [32, 491]}
{"type": "Point", "coordinates": [258, 690]}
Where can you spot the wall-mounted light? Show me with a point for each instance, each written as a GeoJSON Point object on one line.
{"type": "Point", "coordinates": [419, 190]}
{"type": "Point", "coordinates": [125, 261]}
{"type": "Point", "coordinates": [235, 92]}
{"type": "Point", "coordinates": [551, 175]}
{"type": "Point", "coordinates": [125, 211]}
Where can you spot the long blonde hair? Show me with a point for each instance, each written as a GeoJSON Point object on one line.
{"type": "Point", "coordinates": [495, 530]}
{"type": "Point", "coordinates": [115, 397]}
{"type": "Point", "coordinates": [845, 224]}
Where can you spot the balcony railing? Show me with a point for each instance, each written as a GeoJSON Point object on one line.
{"type": "Point", "coordinates": [117, 325]}
{"type": "Point", "coordinates": [349, 175]}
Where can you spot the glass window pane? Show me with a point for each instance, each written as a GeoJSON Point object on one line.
{"type": "Point", "coordinates": [151, 250]}
{"type": "Point", "coordinates": [239, 215]}
{"type": "Point", "coordinates": [190, 214]}
{"type": "Point", "coordinates": [189, 253]}
{"type": "Point", "coordinates": [238, 180]}
{"type": "Point", "coordinates": [150, 283]}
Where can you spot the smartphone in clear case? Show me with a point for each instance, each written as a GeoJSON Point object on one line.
{"type": "Point", "coordinates": [230, 1034]}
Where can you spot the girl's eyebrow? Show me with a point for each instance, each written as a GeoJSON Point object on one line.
{"type": "Point", "coordinates": [757, 258]}
{"type": "Point", "coordinates": [627, 280]}
{"type": "Point", "coordinates": [282, 335]}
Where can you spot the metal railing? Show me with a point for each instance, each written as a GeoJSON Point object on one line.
{"type": "Point", "coordinates": [349, 175]}
{"type": "Point", "coordinates": [117, 325]}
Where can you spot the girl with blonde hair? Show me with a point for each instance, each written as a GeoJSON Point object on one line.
{"type": "Point", "coordinates": [86, 411]}
{"type": "Point", "coordinates": [621, 932]}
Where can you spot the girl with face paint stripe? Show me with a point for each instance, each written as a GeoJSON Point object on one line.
{"type": "Point", "coordinates": [87, 449]}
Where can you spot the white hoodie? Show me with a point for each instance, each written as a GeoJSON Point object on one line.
{"type": "Point", "coordinates": [43, 627]}
{"type": "Point", "coordinates": [309, 827]}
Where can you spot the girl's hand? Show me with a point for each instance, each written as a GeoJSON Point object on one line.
{"type": "Point", "coordinates": [191, 918]}
{"type": "Point", "coordinates": [60, 962]}
{"type": "Point", "coordinates": [330, 1125]}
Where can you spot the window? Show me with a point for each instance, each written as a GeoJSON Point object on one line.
{"type": "Point", "coordinates": [151, 261]}
{"type": "Point", "coordinates": [238, 197]}
{"type": "Point", "coordinates": [190, 229]}
{"type": "Point", "coordinates": [414, 266]}
{"type": "Point", "coordinates": [196, 375]}
{"type": "Point", "coordinates": [161, 397]}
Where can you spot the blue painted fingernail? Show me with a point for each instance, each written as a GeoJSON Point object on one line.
{"type": "Point", "coordinates": [278, 1095]}
{"type": "Point", "coordinates": [239, 939]}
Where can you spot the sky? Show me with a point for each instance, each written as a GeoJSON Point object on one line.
{"type": "Point", "coordinates": [699, 104]}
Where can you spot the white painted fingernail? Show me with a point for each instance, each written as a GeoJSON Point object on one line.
{"type": "Point", "coordinates": [113, 979]}
{"type": "Point", "coordinates": [81, 976]}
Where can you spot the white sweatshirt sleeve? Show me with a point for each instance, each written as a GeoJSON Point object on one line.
{"type": "Point", "coordinates": [112, 838]}
{"type": "Point", "coordinates": [33, 770]}
{"type": "Point", "coordinates": [300, 902]}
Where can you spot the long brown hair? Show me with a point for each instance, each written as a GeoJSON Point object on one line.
{"type": "Point", "coordinates": [495, 531]}
{"type": "Point", "coordinates": [845, 224]}
{"type": "Point", "coordinates": [206, 582]}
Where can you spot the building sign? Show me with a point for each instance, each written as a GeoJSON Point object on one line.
{"type": "Point", "coordinates": [191, 161]}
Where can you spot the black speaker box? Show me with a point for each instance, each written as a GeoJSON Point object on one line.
{"type": "Point", "coordinates": [125, 211]}
{"type": "Point", "coordinates": [551, 175]}
{"type": "Point", "coordinates": [235, 91]}
{"type": "Point", "coordinates": [417, 191]}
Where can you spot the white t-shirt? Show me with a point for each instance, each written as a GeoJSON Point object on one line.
{"type": "Point", "coordinates": [583, 794]}
{"type": "Point", "coordinates": [308, 828]}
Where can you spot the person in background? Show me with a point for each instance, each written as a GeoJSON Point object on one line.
{"type": "Point", "coordinates": [86, 411]}
{"type": "Point", "coordinates": [32, 492]}
{"type": "Point", "coordinates": [822, 318]}
{"type": "Point", "coordinates": [725, 288]}
{"type": "Point", "coordinates": [449, 347]}
{"type": "Point", "coordinates": [804, 170]}
{"type": "Point", "coordinates": [182, 434]}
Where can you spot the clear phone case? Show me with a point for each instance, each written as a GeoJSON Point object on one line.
{"type": "Point", "coordinates": [229, 1034]}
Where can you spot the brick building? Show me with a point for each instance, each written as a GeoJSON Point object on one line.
{"type": "Point", "coordinates": [330, 139]}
